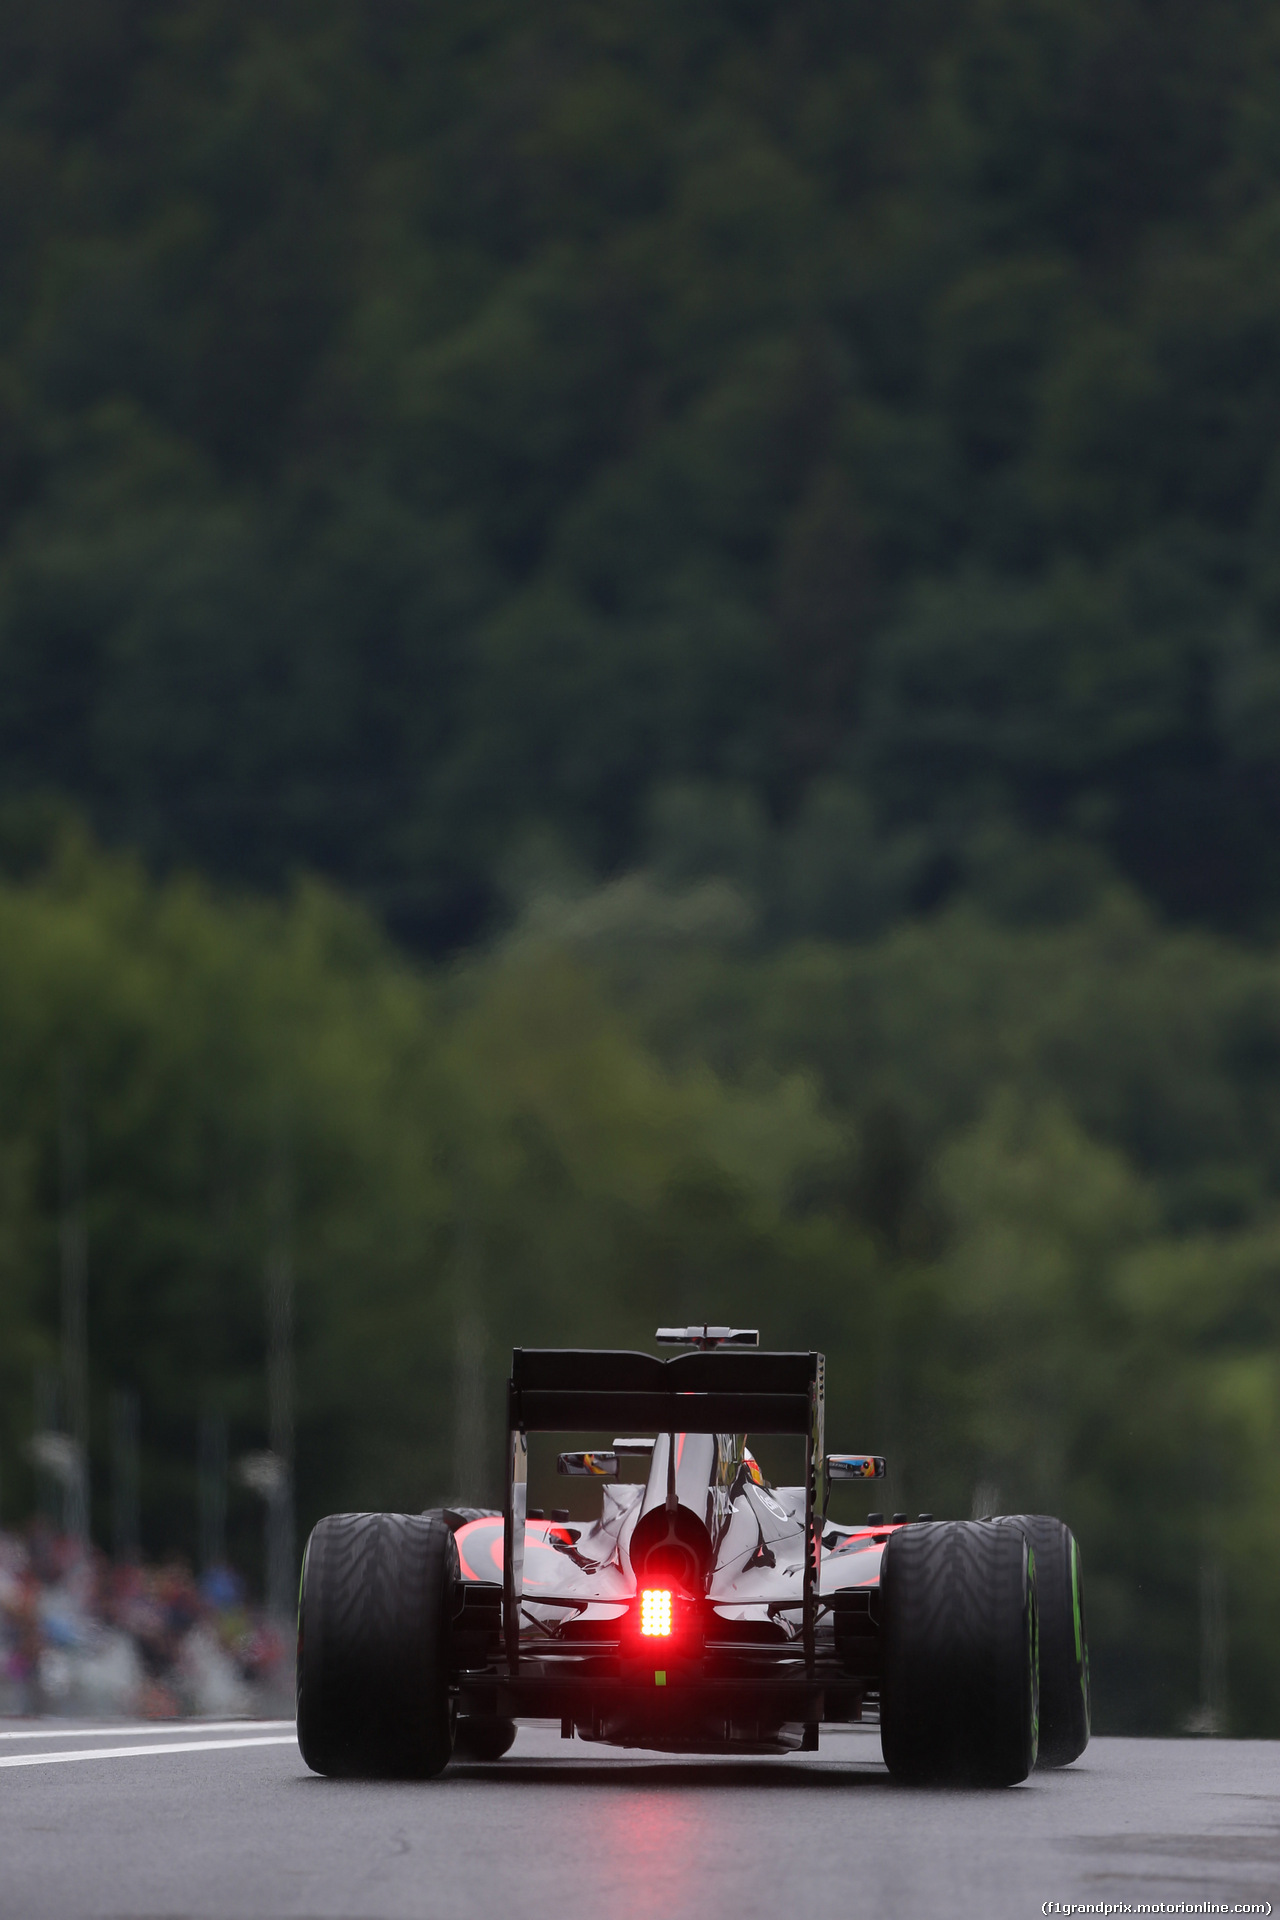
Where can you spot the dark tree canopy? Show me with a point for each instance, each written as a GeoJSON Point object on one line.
{"type": "Point", "coordinates": [418, 422]}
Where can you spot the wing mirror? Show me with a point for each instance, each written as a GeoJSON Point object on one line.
{"type": "Point", "coordinates": [589, 1466]}
{"type": "Point", "coordinates": [854, 1466]}
{"type": "Point", "coordinates": [604, 1464]}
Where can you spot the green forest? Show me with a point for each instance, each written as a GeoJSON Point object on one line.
{"type": "Point", "coordinates": [640, 660]}
{"type": "Point", "coordinates": [1018, 1184]}
{"type": "Point", "coordinates": [431, 428]}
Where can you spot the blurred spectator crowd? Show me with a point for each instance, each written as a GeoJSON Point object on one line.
{"type": "Point", "coordinates": [81, 1635]}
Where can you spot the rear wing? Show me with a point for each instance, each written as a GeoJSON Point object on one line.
{"type": "Point", "coordinates": [733, 1390]}
{"type": "Point", "coordinates": [726, 1390]}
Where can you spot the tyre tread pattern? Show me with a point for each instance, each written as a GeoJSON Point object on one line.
{"type": "Point", "coordinates": [1065, 1702]}
{"type": "Point", "coordinates": [960, 1684]}
{"type": "Point", "coordinates": [374, 1618]}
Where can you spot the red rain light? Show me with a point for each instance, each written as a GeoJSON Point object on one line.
{"type": "Point", "coordinates": [655, 1613]}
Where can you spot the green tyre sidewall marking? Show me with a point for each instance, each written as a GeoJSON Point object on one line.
{"type": "Point", "coordinates": [1034, 1652]}
{"type": "Point", "coordinates": [1082, 1651]}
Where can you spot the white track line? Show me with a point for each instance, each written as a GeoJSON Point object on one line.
{"type": "Point", "coordinates": [130, 1753]}
{"type": "Point", "coordinates": [125, 1733]}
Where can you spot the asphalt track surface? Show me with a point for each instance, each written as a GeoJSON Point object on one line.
{"type": "Point", "coordinates": [222, 1821]}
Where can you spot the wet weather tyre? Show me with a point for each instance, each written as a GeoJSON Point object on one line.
{"type": "Point", "coordinates": [959, 1635]}
{"type": "Point", "coordinates": [483, 1738]}
{"type": "Point", "coordinates": [1065, 1705]}
{"type": "Point", "coordinates": [373, 1646]}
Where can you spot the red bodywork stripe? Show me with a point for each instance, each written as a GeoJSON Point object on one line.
{"type": "Point", "coordinates": [540, 1531]}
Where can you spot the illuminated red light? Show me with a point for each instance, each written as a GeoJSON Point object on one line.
{"type": "Point", "coordinates": [655, 1613]}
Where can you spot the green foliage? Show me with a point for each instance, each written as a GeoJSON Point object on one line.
{"type": "Point", "coordinates": [211, 1044]}
{"type": "Point", "coordinates": [1020, 1184]}
{"type": "Point", "coordinates": [496, 1144]}
{"type": "Point", "coordinates": [415, 421]}
{"type": "Point", "coordinates": [1055, 1149]}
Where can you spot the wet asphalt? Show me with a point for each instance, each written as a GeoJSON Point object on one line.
{"type": "Point", "coordinates": [224, 1822]}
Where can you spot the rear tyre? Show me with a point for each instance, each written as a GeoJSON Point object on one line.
{"type": "Point", "coordinates": [483, 1738]}
{"type": "Point", "coordinates": [1065, 1705]}
{"type": "Point", "coordinates": [373, 1646]}
{"type": "Point", "coordinates": [960, 1678]}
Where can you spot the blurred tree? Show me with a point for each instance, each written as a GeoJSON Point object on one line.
{"type": "Point", "coordinates": [411, 423]}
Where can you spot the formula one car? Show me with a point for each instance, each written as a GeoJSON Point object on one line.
{"type": "Point", "coordinates": [704, 1611]}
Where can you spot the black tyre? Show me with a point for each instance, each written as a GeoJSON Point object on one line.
{"type": "Point", "coordinates": [483, 1738]}
{"type": "Point", "coordinates": [1065, 1705]}
{"type": "Point", "coordinates": [960, 1679]}
{"type": "Point", "coordinates": [373, 1646]}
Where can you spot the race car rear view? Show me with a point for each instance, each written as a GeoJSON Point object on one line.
{"type": "Point", "coordinates": [704, 1611]}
